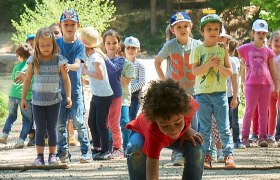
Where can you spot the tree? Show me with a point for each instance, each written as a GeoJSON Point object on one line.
{"type": "Point", "coordinates": [96, 13]}
{"type": "Point", "coordinates": [153, 16]}
{"type": "Point", "coordinates": [269, 12]}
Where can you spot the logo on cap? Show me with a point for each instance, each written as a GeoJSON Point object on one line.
{"type": "Point", "coordinates": [179, 16]}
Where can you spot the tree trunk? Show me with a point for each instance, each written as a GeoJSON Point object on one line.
{"type": "Point", "coordinates": [153, 16]}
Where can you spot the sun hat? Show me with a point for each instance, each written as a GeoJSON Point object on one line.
{"type": "Point", "coordinates": [131, 41]}
{"type": "Point", "coordinates": [29, 36]}
{"type": "Point", "coordinates": [179, 17]}
{"type": "Point", "coordinates": [69, 14]}
{"type": "Point", "coordinates": [224, 33]}
{"type": "Point", "coordinates": [260, 25]}
{"type": "Point", "coordinates": [209, 18]}
{"type": "Point", "coordinates": [90, 37]}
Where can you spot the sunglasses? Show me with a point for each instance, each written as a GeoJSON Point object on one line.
{"type": "Point", "coordinates": [130, 47]}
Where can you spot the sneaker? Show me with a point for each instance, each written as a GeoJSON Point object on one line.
{"type": "Point", "coordinates": [85, 158]}
{"type": "Point", "coordinates": [263, 143]}
{"type": "Point", "coordinates": [63, 157]}
{"type": "Point", "coordinates": [179, 159]}
{"type": "Point", "coordinates": [117, 153]}
{"type": "Point", "coordinates": [220, 159]}
{"type": "Point", "coordinates": [72, 140]}
{"type": "Point", "coordinates": [277, 137]}
{"type": "Point", "coordinates": [94, 153]}
{"type": "Point", "coordinates": [246, 142]}
{"type": "Point", "coordinates": [39, 161]}
{"type": "Point", "coordinates": [229, 162]}
{"type": "Point", "coordinates": [270, 141]}
{"type": "Point", "coordinates": [3, 138]}
{"type": "Point", "coordinates": [239, 145]}
{"type": "Point", "coordinates": [52, 160]}
{"type": "Point", "coordinates": [19, 144]}
{"type": "Point", "coordinates": [207, 161]}
{"type": "Point", "coordinates": [278, 143]}
{"type": "Point", "coordinates": [103, 156]}
{"type": "Point", "coordinates": [254, 138]}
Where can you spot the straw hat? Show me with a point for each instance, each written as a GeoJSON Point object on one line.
{"type": "Point", "coordinates": [90, 37]}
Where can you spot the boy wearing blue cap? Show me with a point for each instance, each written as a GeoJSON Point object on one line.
{"type": "Point", "coordinates": [178, 68]}
{"type": "Point", "coordinates": [30, 40]}
{"type": "Point", "coordinates": [74, 51]}
{"type": "Point", "coordinates": [211, 66]}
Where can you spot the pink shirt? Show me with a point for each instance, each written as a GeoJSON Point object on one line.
{"type": "Point", "coordinates": [256, 60]}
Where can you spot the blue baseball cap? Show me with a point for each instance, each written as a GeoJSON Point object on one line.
{"type": "Point", "coordinates": [69, 14]}
{"type": "Point", "coordinates": [179, 17]}
{"type": "Point", "coordinates": [29, 36]}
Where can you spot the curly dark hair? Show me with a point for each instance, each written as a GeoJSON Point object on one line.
{"type": "Point", "coordinates": [24, 50]}
{"type": "Point", "coordinates": [164, 99]}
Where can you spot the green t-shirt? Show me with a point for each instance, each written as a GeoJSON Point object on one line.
{"type": "Point", "coordinates": [212, 80]}
{"type": "Point", "coordinates": [127, 72]}
{"type": "Point", "coordinates": [16, 88]}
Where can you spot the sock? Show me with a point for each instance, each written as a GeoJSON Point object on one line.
{"type": "Point", "coordinates": [219, 152]}
{"type": "Point", "coordinates": [40, 155]}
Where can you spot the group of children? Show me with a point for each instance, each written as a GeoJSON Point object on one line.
{"type": "Point", "coordinates": [200, 87]}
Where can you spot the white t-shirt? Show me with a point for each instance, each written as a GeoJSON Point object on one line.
{"type": "Point", "coordinates": [235, 64]}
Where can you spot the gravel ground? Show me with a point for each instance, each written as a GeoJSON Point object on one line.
{"type": "Point", "coordinates": [117, 169]}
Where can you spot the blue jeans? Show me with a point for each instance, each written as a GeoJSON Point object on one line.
{"type": "Point", "coordinates": [136, 159]}
{"type": "Point", "coordinates": [76, 113]}
{"type": "Point", "coordinates": [12, 117]}
{"type": "Point", "coordinates": [233, 121]}
{"type": "Point", "coordinates": [124, 120]}
{"type": "Point", "coordinates": [135, 105]}
{"type": "Point", "coordinates": [45, 118]}
{"type": "Point", "coordinates": [217, 104]}
{"type": "Point", "coordinates": [98, 112]}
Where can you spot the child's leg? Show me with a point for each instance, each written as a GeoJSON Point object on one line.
{"type": "Point", "coordinates": [220, 104]}
{"type": "Point", "coordinates": [134, 106]}
{"type": "Point", "coordinates": [136, 159]}
{"type": "Point", "coordinates": [13, 106]}
{"type": "Point", "coordinates": [26, 120]}
{"type": "Point", "coordinates": [263, 109]}
{"type": "Point", "coordinates": [123, 121]}
{"type": "Point", "coordinates": [113, 122]}
{"type": "Point", "coordinates": [256, 121]}
{"type": "Point", "coordinates": [272, 115]}
{"type": "Point", "coordinates": [235, 124]}
{"type": "Point", "coordinates": [204, 115]}
{"type": "Point", "coordinates": [52, 118]}
{"type": "Point", "coordinates": [62, 146]}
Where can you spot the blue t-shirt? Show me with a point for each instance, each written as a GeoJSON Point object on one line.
{"type": "Point", "coordinates": [72, 51]}
{"type": "Point", "coordinates": [114, 69]}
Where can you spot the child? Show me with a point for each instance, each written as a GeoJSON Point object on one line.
{"type": "Point", "coordinates": [114, 67]}
{"type": "Point", "coordinates": [211, 65]}
{"type": "Point", "coordinates": [177, 52]}
{"type": "Point", "coordinates": [132, 49]}
{"type": "Point", "coordinates": [56, 30]}
{"type": "Point", "coordinates": [274, 42]}
{"type": "Point", "coordinates": [258, 60]}
{"type": "Point", "coordinates": [128, 75]}
{"type": "Point", "coordinates": [101, 93]}
{"type": "Point", "coordinates": [30, 40]}
{"type": "Point", "coordinates": [23, 52]}
{"type": "Point", "coordinates": [46, 66]}
{"type": "Point", "coordinates": [164, 122]}
{"type": "Point", "coordinates": [74, 51]}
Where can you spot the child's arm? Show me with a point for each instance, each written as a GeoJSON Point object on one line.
{"type": "Point", "coordinates": [98, 74]}
{"type": "Point", "coordinates": [274, 76]}
{"type": "Point", "coordinates": [152, 168]}
{"type": "Point", "coordinates": [192, 136]}
{"type": "Point", "coordinates": [226, 69]}
{"type": "Point", "coordinates": [26, 84]}
{"type": "Point", "coordinates": [125, 81]}
{"type": "Point", "coordinates": [67, 86]}
{"type": "Point", "coordinates": [73, 67]}
{"type": "Point", "coordinates": [234, 83]}
{"type": "Point", "coordinates": [157, 63]}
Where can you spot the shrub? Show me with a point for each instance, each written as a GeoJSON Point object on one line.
{"type": "Point", "coordinates": [3, 107]}
{"type": "Point", "coordinates": [96, 13]}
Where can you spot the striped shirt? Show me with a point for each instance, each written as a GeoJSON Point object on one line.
{"type": "Point", "coordinates": [46, 87]}
{"type": "Point", "coordinates": [140, 76]}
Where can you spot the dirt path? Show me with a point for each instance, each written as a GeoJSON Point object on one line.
{"type": "Point", "coordinates": [117, 169]}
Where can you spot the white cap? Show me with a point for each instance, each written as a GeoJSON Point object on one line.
{"type": "Point", "coordinates": [132, 41]}
{"type": "Point", "coordinates": [260, 25]}
{"type": "Point", "coordinates": [224, 33]}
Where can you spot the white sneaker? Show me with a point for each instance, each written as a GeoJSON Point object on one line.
{"type": "Point", "coordinates": [270, 141]}
{"type": "Point", "coordinates": [19, 144]}
{"type": "Point", "coordinates": [178, 159]}
{"type": "Point", "coordinates": [3, 138]}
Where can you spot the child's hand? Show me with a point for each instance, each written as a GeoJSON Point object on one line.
{"type": "Point", "coordinates": [192, 136]}
{"type": "Point", "coordinates": [20, 78]}
{"type": "Point", "coordinates": [233, 103]}
{"type": "Point", "coordinates": [84, 70]}
{"type": "Point", "coordinates": [214, 61]}
{"type": "Point", "coordinates": [68, 102]}
{"type": "Point", "coordinates": [23, 104]}
{"type": "Point", "coordinates": [67, 67]}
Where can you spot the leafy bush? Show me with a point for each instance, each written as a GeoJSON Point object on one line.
{"type": "Point", "coordinates": [96, 13]}
{"type": "Point", "coordinates": [3, 107]}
